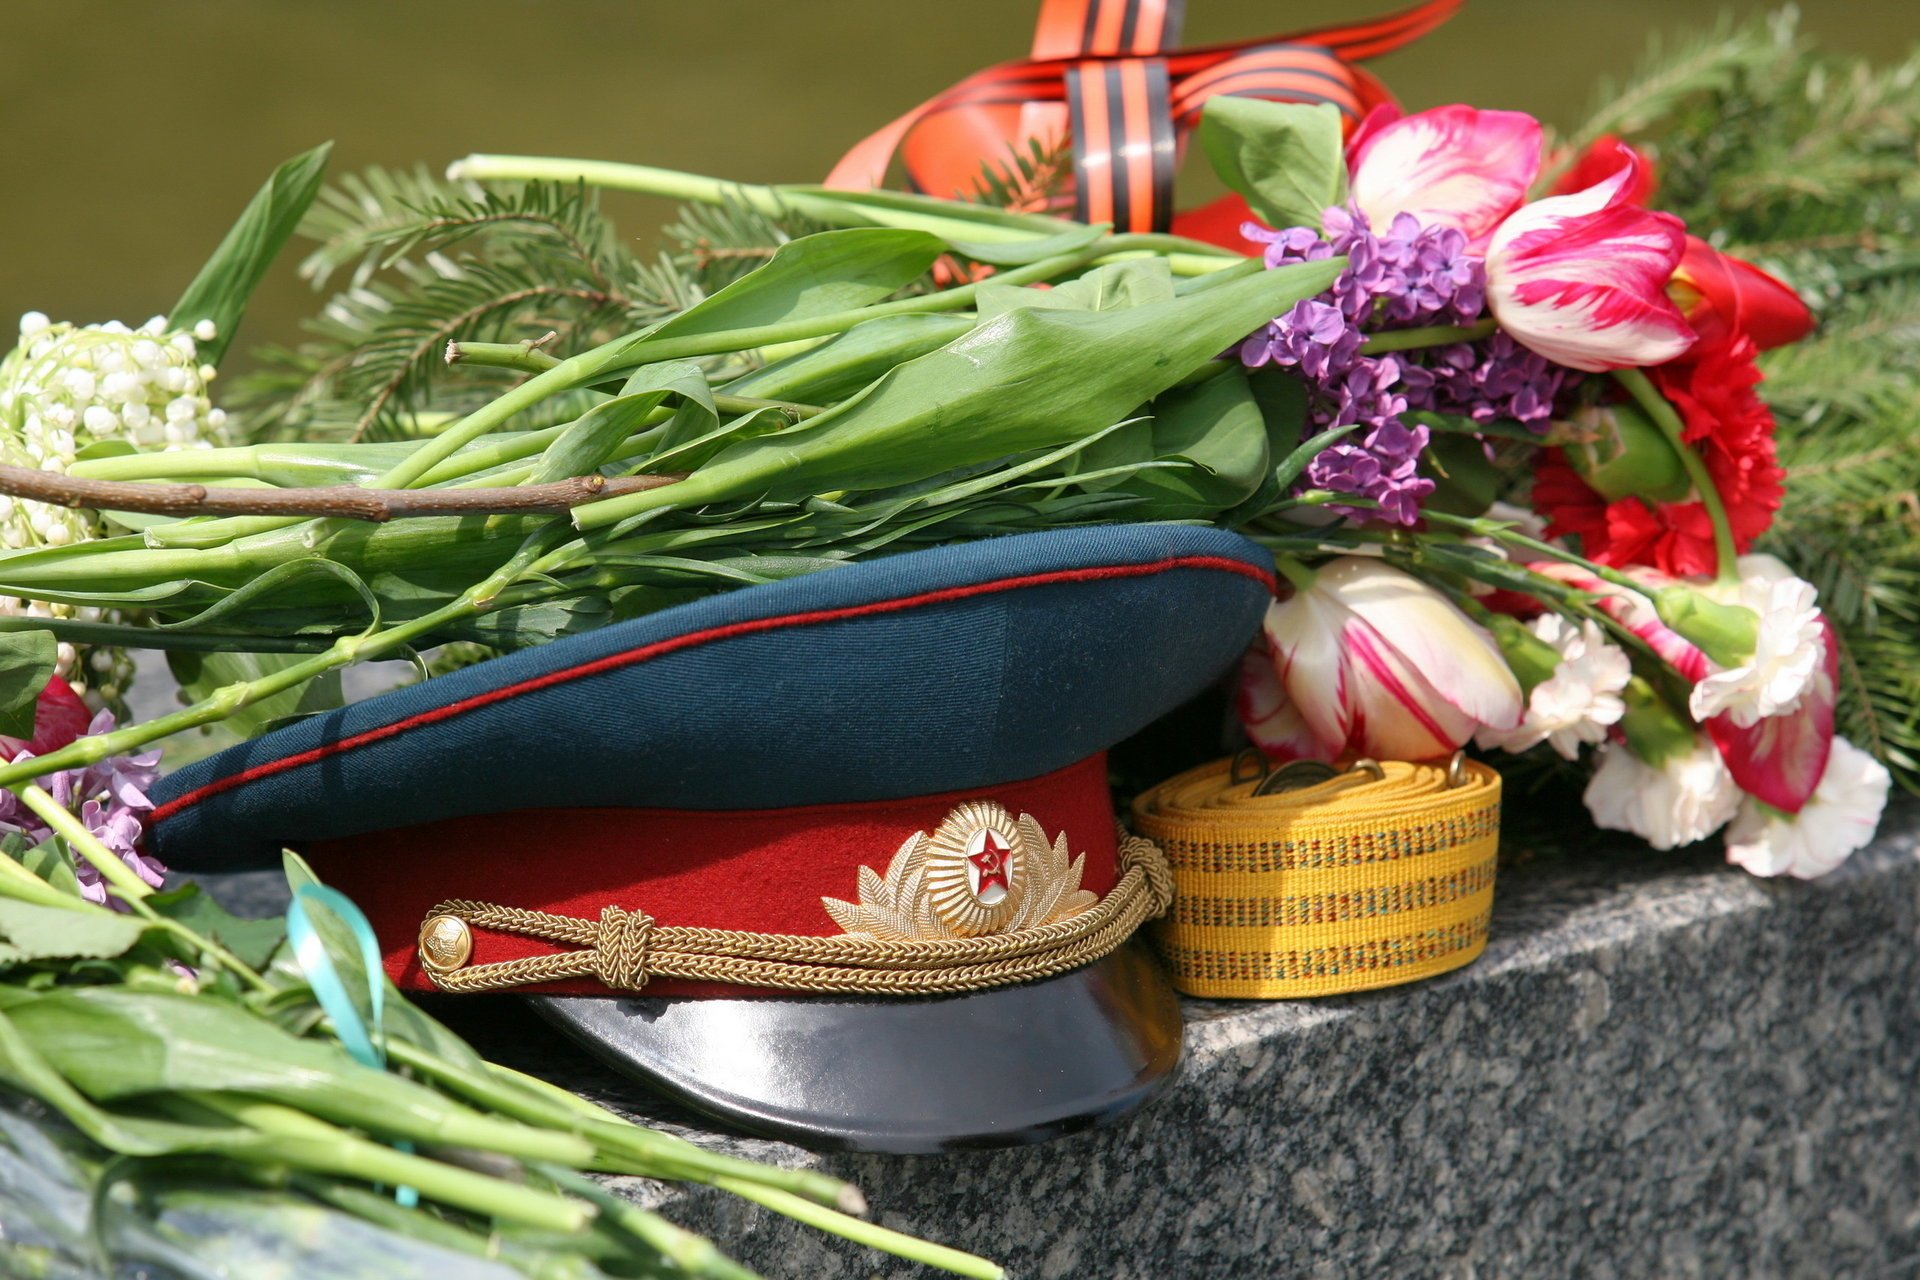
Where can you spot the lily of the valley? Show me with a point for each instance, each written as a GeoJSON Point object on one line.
{"type": "Point", "coordinates": [1375, 662]}
{"type": "Point", "coordinates": [1449, 167]}
{"type": "Point", "coordinates": [1582, 278]}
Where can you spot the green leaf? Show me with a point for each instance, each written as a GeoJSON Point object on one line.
{"type": "Point", "coordinates": [27, 660]}
{"type": "Point", "coordinates": [1465, 481]}
{"type": "Point", "coordinates": [1294, 463]}
{"type": "Point", "coordinates": [836, 369]}
{"type": "Point", "coordinates": [690, 454]}
{"type": "Point", "coordinates": [253, 941]}
{"type": "Point", "coordinates": [886, 208]}
{"type": "Point", "coordinates": [202, 674]}
{"type": "Point", "coordinates": [816, 275]}
{"type": "Point", "coordinates": [50, 933]}
{"type": "Point", "coordinates": [1217, 428]}
{"type": "Point", "coordinates": [248, 597]}
{"type": "Point", "coordinates": [1018, 253]}
{"type": "Point", "coordinates": [49, 860]}
{"type": "Point", "coordinates": [1285, 157]}
{"type": "Point", "coordinates": [116, 1043]}
{"type": "Point", "coordinates": [220, 292]}
{"type": "Point", "coordinates": [1029, 379]}
{"type": "Point", "coordinates": [592, 438]}
{"type": "Point", "coordinates": [1132, 283]}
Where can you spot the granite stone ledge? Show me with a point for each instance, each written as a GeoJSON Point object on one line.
{"type": "Point", "coordinates": [1661, 1067]}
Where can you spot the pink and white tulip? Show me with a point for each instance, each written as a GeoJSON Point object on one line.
{"type": "Point", "coordinates": [1375, 662]}
{"type": "Point", "coordinates": [1582, 279]}
{"type": "Point", "coordinates": [1448, 167]}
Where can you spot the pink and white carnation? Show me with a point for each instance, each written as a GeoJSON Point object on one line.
{"type": "Point", "coordinates": [1684, 798]}
{"type": "Point", "coordinates": [1789, 644]}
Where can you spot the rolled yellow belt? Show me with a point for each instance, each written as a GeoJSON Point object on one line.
{"type": "Point", "coordinates": [1367, 879]}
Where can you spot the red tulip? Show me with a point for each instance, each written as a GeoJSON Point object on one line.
{"type": "Point", "coordinates": [1601, 161]}
{"type": "Point", "coordinates": [1722, 295]}
{"type": "Point", "coordinates": [58, 718]}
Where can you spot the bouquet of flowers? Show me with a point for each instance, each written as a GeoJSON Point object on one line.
{"type": "Point", "coordinates": [1619, 608]}
{"type": "Point", "coordinates": [1496, 417]}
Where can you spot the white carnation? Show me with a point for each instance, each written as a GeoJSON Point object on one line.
{"type": "Point", "coordinates": [1789, 649]}
{"type": "Point", "coordinates": [1685, 798]}
{"type": "Point", "coordinates": [1837, 819]}
{"type": "Point", "coordinates": [1579, 701]}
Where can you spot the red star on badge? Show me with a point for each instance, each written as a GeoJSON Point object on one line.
{"type": "Point", "coordinates": [991, 863]}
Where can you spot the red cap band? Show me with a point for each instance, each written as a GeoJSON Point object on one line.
{"type": "Point", "coordinates": [756, 871]}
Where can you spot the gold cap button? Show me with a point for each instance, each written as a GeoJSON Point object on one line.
{"type": "Point", "coordinates": [445, 943]}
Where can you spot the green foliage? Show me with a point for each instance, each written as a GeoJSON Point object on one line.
{"type": "Point", "coordinates": [221, 290]}
{"type": "Point", "coordinates": [1033, 177]}
{"type": "Point", "coordinates": [421, 261]}
{"type": "Point", "coordinates": [26, 664]}
{"type": "Point", "coordinates": [1803, 162]}
{"type": "Point", "coordinates": [1284, 157]}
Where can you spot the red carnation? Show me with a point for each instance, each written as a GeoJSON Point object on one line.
{"type": "Point", "coordinates": [1713, 391]}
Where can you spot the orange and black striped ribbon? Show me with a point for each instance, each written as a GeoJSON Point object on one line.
{"type": "Point", "coordinates": [1103, 64]}
{"type": "Point", "coordinates": [1123, 143]}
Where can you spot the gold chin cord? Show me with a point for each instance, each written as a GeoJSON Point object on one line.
{"type": "Point", "coordinates": [1309, 881]}
{"type": "Point", "coordinates": [623, 949]}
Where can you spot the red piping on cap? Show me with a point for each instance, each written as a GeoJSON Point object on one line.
{"type": "Point", "coordinates": [691, 640]}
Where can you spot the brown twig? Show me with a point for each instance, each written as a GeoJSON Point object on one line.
{"type": "Point", "coordinates": [345, 502]}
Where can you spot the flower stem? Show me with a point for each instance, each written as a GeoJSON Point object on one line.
{"type": "Point", "coordinates": [953, 221]}
{"type": "Point", "coordinates": [633, 350]}
{"type": "Point", "coordinates": [1657, 407]}
{"type": "Point", "coordinates": [233, 698]}
{"type": "Point", "coordinates": [870, 1234]}
{"type": "Point", "coordinates": [1293, 571]}
{"type": "Point", "coordinates": [126, 885]}
{"type": "Point", "coordinates": [303, 1142]}
{"type": "Point", "coordinates": [83, 842]}
{"type": "Point", "coordinates": [1438, 335]}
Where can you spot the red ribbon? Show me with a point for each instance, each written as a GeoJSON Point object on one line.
{"type": "Point", "coordinates": [1102, 71]}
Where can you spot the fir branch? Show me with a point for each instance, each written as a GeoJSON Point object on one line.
{"type": "Point", "coordinates": [1034, 177]}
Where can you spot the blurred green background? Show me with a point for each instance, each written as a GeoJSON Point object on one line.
{"type": "Point", "coordinates": [133, 133]}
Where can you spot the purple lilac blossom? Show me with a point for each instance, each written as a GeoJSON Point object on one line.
{"type": "Point", "coordinates": [109, 798]}
{"type": "Point", "coordinates": [1408, 276]}
{"type": "Point", "coordinates": [1495, 379]}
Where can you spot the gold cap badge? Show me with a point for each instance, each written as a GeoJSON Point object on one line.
{"type": "Point", "coordinates": [445, 943]}
{"type": "Point", "coordinates": [980, 872]}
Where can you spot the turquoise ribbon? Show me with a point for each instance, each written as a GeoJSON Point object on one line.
{"type": "Point", "coordinates": [366, 1043]}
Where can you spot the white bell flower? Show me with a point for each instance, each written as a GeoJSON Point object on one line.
{"type": "Point", "coordinates": [65, 387]}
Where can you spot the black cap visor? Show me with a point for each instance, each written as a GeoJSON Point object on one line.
{"type": "Point", "coordinates": [996, 1068]}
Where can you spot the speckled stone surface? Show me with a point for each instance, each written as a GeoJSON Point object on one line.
{"type": "Point", "coordinates": [1661, 1067]}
